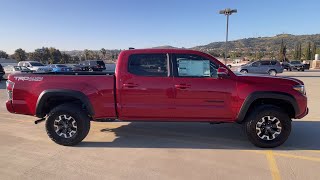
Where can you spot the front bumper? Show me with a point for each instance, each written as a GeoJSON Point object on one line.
{"type": "Point", "coordinates": [300, 116]}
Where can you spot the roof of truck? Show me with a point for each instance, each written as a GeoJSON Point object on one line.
{"type": "Point", "coordinates": [164, 50]}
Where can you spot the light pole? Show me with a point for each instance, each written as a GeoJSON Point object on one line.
{"type": "Point", "coordinates": [227, 12]}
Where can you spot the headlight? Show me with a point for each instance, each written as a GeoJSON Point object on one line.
{"type": "Point", "coordinates": [300, 88]}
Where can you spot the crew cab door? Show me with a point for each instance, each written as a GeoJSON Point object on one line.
{"type": "Point", "coordinates": [146, 90]}
{"type": "Point", "coordinates": [199, 93]}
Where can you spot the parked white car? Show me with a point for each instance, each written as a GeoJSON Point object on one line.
{"type": "Point", "coordinates": [14, 69]}
{"type": "Point", "coordinates": [35, 66]}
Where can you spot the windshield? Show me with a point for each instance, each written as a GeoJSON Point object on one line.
{"type": "Point", "coordinates": [36, 64]}
{"type": "Point", "coordinates": [295, 62]}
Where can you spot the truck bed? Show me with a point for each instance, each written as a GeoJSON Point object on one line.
{"type": "Point", "coordinates": [97, 86]}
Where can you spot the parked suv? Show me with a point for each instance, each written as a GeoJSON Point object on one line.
{"type": "Point", "coordinates": [271, 67]}
{"type": "Point", "coordinates": [1, 72]}
{"type": "Point", "coordinates": [94, 65]}
{"type": "Point", "coordinates": [35, 66]}
{"type": "Point", "coordinates": [297, 65]}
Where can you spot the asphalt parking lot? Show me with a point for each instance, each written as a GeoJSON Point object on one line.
{"type": "Point", "coordinates": [121, 150]}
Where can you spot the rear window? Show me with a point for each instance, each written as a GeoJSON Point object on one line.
{"type": "Point", "coordinates": [148, 65]}
{"type": "Point", "coordinates": [295, 62]}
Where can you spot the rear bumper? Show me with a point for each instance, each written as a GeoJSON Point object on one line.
{"type": "Point", "coordinates": [9, 106]}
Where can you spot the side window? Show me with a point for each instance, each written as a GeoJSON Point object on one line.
{"type": "Point", "coordinates": [189, 65]}
{"type": "Point", "coordinates": [265, 63]}
{"type": "Point", "coordinates": [148, 65]}
{"type": "Point", "coordinates": [274, 63]}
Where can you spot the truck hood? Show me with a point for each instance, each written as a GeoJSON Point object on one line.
{"type": "Point", "coordinates": [283, 80]}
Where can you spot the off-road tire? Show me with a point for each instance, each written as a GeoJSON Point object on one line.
{"type": "Point", "coordinates": [78, 114]}
{"type": "Point", "coordinates": [263, 111]}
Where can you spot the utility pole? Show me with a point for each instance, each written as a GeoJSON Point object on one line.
{"type": "Point", "coordinates": [227, 12]}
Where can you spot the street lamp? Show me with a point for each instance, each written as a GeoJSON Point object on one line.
{"type": "Point", "coordinates": [227, 12]}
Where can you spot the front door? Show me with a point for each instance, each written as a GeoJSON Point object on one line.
{"type": "Point", "coordinates": [146, 92]}
{"type": "Point", "coordinates": [199, 93]}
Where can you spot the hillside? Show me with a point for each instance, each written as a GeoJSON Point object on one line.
{"type": "Point", "coordinates": [264, 44]}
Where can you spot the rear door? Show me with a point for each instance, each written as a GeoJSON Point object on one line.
{"type": "Point", "coordinates": [265, 67]}
{"type": "Point", "coordinates": [199, 93]}
{"type": "Point", "coordinates": [146, 92]}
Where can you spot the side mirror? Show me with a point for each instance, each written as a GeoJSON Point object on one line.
{"type": "Point", "coordinates": [222, 72]}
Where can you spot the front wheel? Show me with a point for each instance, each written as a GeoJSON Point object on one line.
{"type": "Point", "coordinates": [67, 124]}
{"type": "Point", "coordinates": [268, 126]}
{"type": "Point", "coordinates": [244, 71]}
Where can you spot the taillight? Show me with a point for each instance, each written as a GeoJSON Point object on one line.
{"type": "Point", "coordinates": [10, 86]}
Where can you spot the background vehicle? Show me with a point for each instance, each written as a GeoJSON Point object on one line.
{"type": "Point", "coordinates": [14, 69]}
{"type": "Point", "coordinates": [59, 68]}
{"type": "Point", "coordinates": [94, 65]}
{"type": "Point", "coordinates": [160, 85]}
{"type": "Point", "coordinates": [110, 67]}
{"type": "Point", "coordinates": [271, 67]}
{"type": "Point", "coordinates": [286, 66]}
{"type": "Point", "coordinates": [78, 67]}
{"type": "Point", "coordinates": [35, 66]}
{"type": "Point", "coordinates": [1, 72]}
{"type": "Point", "coordinates": [297, 65]}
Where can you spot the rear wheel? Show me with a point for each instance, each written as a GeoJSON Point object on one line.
{"type": "Point", "coordinates": [268, 126]}
{"type": "Point", "coordinates": [272, 72]}
{"type": "Point", "coordinates": [67, 124]}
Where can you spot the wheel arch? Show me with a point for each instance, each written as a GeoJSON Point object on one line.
{"type": "Point", "coordinates": [283, 100]}
{"type": "Point", "coordinates": [49, 99]}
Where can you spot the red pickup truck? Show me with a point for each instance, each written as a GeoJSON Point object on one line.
{"type": "Point", "coordinates": [160, 85]}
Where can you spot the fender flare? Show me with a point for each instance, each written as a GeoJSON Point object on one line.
{"type": "Point", "coordinates": [266, 95]}
{"type": "Point", "coordinates": [45, 95]}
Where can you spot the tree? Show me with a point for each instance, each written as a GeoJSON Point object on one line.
{"type": "Point", "coordinates": [65, 58]}
{"type": "Point", "coordinates": [86, 53]}
{"type": "Point", "coordinates": [282, 52]}
{"type": "Point", "coordinates": [297, 51]}
{"type": "Point", "coordinates": [3, 55]}
{"type": "Point", "coordinates": [308, 51]}
{"type": "Point", "coordinates": [300, 52]}
{"type": "Point", "coordinates": [55, 56]}
{"type": "Point", "coordinates": [42, 55]}
{"type": "Point", "coordinates": [314, 50]}
{"type": "Point", "coordinates": [20, 55]}
{"type": "Point", "coordinates": [103, 52]}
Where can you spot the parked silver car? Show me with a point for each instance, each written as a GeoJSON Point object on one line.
{"type": "Point", "coordinates": [271, 67]}
{"type": "Point", "coordinates": [14, 69]}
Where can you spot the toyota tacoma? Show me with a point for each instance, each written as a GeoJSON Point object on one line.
{"type": "Point", "coordinates": [160, 85]}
